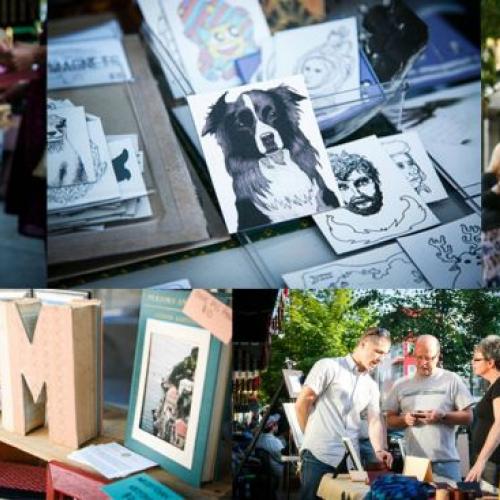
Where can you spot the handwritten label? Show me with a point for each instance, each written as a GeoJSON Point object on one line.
{"type": "Point", "coordinates": [210, 313]}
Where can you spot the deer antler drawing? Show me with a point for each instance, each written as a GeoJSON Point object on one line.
{"type": "Point", "coordinates": [445, 251]}
{"type": "Point", "coordinates": [471, 236]}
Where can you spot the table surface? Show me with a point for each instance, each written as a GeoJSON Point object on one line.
{"type": "Point", "coordinates": [37, 444]}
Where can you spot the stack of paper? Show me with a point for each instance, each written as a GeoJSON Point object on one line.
{"type": "Point", "coordinates": [111, 460]}
{"type": "Point", "coordinates": [93, 179]}
{"type": "Point", "coordinates": [211, 36]}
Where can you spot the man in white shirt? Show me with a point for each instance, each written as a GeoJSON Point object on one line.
{"type": "Point", "coordinates": [429, 405]}
{"type": "Point", "coordinates": [328, 408]}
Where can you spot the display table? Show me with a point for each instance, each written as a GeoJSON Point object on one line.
{"type": "Point", "coordinates": [342, 488]}
{"type": "Point", "coordinates": [37, 444]}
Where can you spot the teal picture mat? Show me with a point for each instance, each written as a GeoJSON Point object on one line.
{"type": "Point", "coordinates": [167, 306]}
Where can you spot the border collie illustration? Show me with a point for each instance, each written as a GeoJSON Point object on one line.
{"type": "Point", "coordinates": [65, 166]}
{"type": "Point", "coordinates": [273, 165]}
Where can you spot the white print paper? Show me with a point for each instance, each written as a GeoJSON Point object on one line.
{"type": "Point", "coordinates": [159, 37]}
{"type": "Point", "coordinates": [291, 415]}
{"type": "Point", "coordinates": [408, 153]}
{"type": "Point", "coordinates": [69, 159]}
{"type": "Point", "coordinates": [154, 17]}
{"type": "Point", "coordinates": [109, 29]}
{"type": "Point", "coordinates": [265, 153]}
{"type": "Point", "coordinates": [448, 256]}
{"type": "Point", "coordinates": [111, 460]}
{"type": "Point", "coordinates": [133, 137]}
{"type": "Point", "coordinates": [181, 284]}
{"type": "Point", "coordinates": [87, 63]}
{"type": "Point", "coordinates": [378, 202]}
{"type": "Point", "coordinates": [385, 267]}
{"type": "Point", "coordinates": [126, 169]}
{"type": "Point", "coordinates": [295, 384]}
{"type": "Point", "coordinates": [59, 103]}
{"type": "Point", "coordinates": [104, 189]}
{"type": "Point", "coordinates": [327, 54]}
{"type": "Point", "coordinates": [213, 35]}
{"type": "Point", "coordinates": [449, 125]}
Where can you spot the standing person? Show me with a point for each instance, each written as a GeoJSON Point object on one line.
{"type": "Point", "coordinates": [328, 408]}
{"type": "Point", "coordinates": [486, 426]}
{"type": "Point", "coordinates": [490, 220]}
{"type": "Point", "coordinates": [429, 405]}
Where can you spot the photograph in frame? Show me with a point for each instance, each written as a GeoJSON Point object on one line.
{"type": "Point", "coordinates": [178, 392]}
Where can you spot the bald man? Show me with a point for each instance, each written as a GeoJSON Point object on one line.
{"type": "Point", "coordinates": [428, 405]}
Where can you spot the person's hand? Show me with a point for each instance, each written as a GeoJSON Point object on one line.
{"type": "Point", "coordinates": [432, 417]}
{"type": "Point", "coordinates": [409, 419]}
{"type": "Point", "coordinates": [24, 55]}
{"type": "Point", "coordinates": [385, 457]}
{"type": "Point", "coordinates": [476, 471]}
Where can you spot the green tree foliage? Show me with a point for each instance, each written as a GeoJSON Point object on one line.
{"type": "Point", "coordinates": [317, 325]}
{"type": "Point", "coordinates": [490, 28]}
{"type": "Point", "coordinates": [329, 323]}
{"type": "Point", "coordinates": [490, 20]}
{"type": "Point", "coordinates": [458, 318]}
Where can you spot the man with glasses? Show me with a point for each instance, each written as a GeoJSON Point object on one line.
{"type": "Point", "coordinates": [328, 408]}
{"type": "Point", "coordinates": [429, 405]}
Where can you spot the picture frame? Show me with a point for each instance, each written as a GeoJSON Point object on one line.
{"type": "Point", "coordinates": [352, 452]}
{"type": "Point", "coordinates": [292, 382]}
{"type": "Point", "coordinates": [176, 429]}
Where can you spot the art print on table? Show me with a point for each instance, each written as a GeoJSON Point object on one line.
{"type": "Point", "coordinates": [408, 153]}
{"type": "Point", "coordinates": [265, 153]}
{"type": "Point", "coordinates": [104, 189]}
{"type": "Point", "coordinates": [327, 54]}
{"type": "Point", "coordinates": [448, 124]}
{"type": "Point", "coordinates": [378, 202]}
{"type": "Point", "coordinates": [213, 34]}
{"type": "Point", "coordinates": [449, 256]}
{"type": "Point", "coordinates": [69, 158]}
{"type": "Point", "coordinates": [386, 267]}
{"type": "Point", "coordinates": [126, 169]}
{"type": "Point", "coordinates": [86, 63]}
{"type": "Point", "coordinates": [173, 369]}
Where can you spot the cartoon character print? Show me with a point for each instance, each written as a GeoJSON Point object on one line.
{"type": "Point", "coordinates": [222, 32]}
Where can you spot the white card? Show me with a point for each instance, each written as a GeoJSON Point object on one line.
{"type": "Point", "coordinates": [265, 153]}
{"type": "Point", "coordinates": [104, 189]}
{"type": "Point", "coordinates": [111, 460]}
{"type": "Point", "coordinates": [379, 203]}
{"type": "Point", "coordinates": [327, 54]}
{"type": "Point", "coordinates": [69, 159]}
{"type": "Point", "coordinates": [449, 124]}
{"type": "Point", "coordinates": [409, 155]}
{"type": "Point", "coordinates": [213, 35]}
{"type": "Point", "coordinates": [449, 256]}
{"type": "Point", "coordinates": [86, 63]}
{"type": "Point", "coordinates": [133, 137]}
{"type": "Point", "coordinates": [126, 169]}
{"type": "Point", "coordinates": [109, 29]}
{"type": "Point", "coordinates": [385, 267]}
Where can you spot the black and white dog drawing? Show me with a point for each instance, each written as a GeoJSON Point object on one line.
{"type": "Point", "coordinates": [65, 166]}
{"type": "Point", "coordinates": [273, 165]}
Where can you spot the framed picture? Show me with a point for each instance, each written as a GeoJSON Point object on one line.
{"type": "Point", "coordinates": [292, 382]}
{"type": "Point", "coordinates": [173, 396]}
